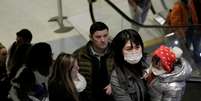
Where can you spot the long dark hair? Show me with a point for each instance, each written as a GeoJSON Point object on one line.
{"type": "Point", "coordinates": [119, 42]}
{"type": "Point", "coordinates": [40, 58]}
{"type": "Point", "coordinates": [61, 71]}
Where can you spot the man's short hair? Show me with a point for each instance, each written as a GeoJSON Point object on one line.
{"type": "Point", "coordinates": [25, 34]}
{"type": "Point", "coordinates": [97, 26]}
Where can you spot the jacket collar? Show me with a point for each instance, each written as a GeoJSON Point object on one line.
{"type": "Point", "coordinates": [92, 52]}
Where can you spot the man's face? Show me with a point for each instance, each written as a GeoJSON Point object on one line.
{"type": "Point", "coordinates": [100, 39]}
{"type": "Point", "coordinates": [19, 40]}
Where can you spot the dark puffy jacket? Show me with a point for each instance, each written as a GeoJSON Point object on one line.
{"type": "Point", "coordinates": [90, 67]}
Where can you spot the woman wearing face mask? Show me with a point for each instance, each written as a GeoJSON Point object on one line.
{"type": "Point", "coordinates": [127, 77]}
{"type": "Point", "coordinates": [168, 73]}
{"type": "Point", "coordinates": [66, 83]}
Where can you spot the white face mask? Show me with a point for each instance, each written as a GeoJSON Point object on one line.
{"type": "Point", "coordinates": [81, 83]}
{"type": "Point", "coordinates": [157, 72]}
{"type": "Point", "coordinates": [133, 58]}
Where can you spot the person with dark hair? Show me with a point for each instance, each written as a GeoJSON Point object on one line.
{"type": "Point", "coordinates": [95, 63]}
{"type": "Point", "coordinates": [40, 58]}
{"type": "Point", "coordinates": [18, 61]}
{"type": "Point", "coordinates": [64, 79]}
{"type": "Point", "coordinates": [24, 36]}
{"type": "Point", "coordinates": [129, 67]}
{"type": "Point", "coordinates": [30, 82]}
{"type": "Point", "coordinates": [168, 73]}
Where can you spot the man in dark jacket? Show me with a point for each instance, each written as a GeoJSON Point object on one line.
{"type": "Point", "coordinates": [95, 63]}
{"type": "Point", "coordinates": [24, 36]}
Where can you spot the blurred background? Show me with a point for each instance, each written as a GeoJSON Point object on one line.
{"type": "Point", "coordinates": [39, 17]}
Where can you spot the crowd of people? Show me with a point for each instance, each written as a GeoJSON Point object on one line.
{"type": "Point", "coordinates": [101, 70]}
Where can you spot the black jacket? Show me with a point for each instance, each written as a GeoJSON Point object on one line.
{"type": "Point", "coordinates": [58, 92]}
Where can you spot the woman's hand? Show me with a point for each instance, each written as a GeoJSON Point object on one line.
{"type": "Point", "coordinates": [108, 89]}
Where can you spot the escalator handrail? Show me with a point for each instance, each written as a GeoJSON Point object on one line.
{"type": "Point", "coordinates": [132, 21]}
{"type": "Point", "coordinates": [91, 11]}
{"type": "Point", "coordinates": [164, 5]}
{"type": "Point", "coordinates": [152, 9]}
{"type": "Point", "coordinates": [194, 80]}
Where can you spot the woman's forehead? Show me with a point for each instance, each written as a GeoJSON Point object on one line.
{"type": "Point", "coordinates": [130, 43]}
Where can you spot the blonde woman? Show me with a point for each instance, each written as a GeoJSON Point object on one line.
{"type": "Point", "coordinates": [65, 82]}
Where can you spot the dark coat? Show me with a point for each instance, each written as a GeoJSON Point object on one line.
{"type": "Point", "coordinates": [96, 71]}
{"type": "Point", "coordinates": [127, 86]}
{"type": "Point", "coordinates": [58, 92]}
